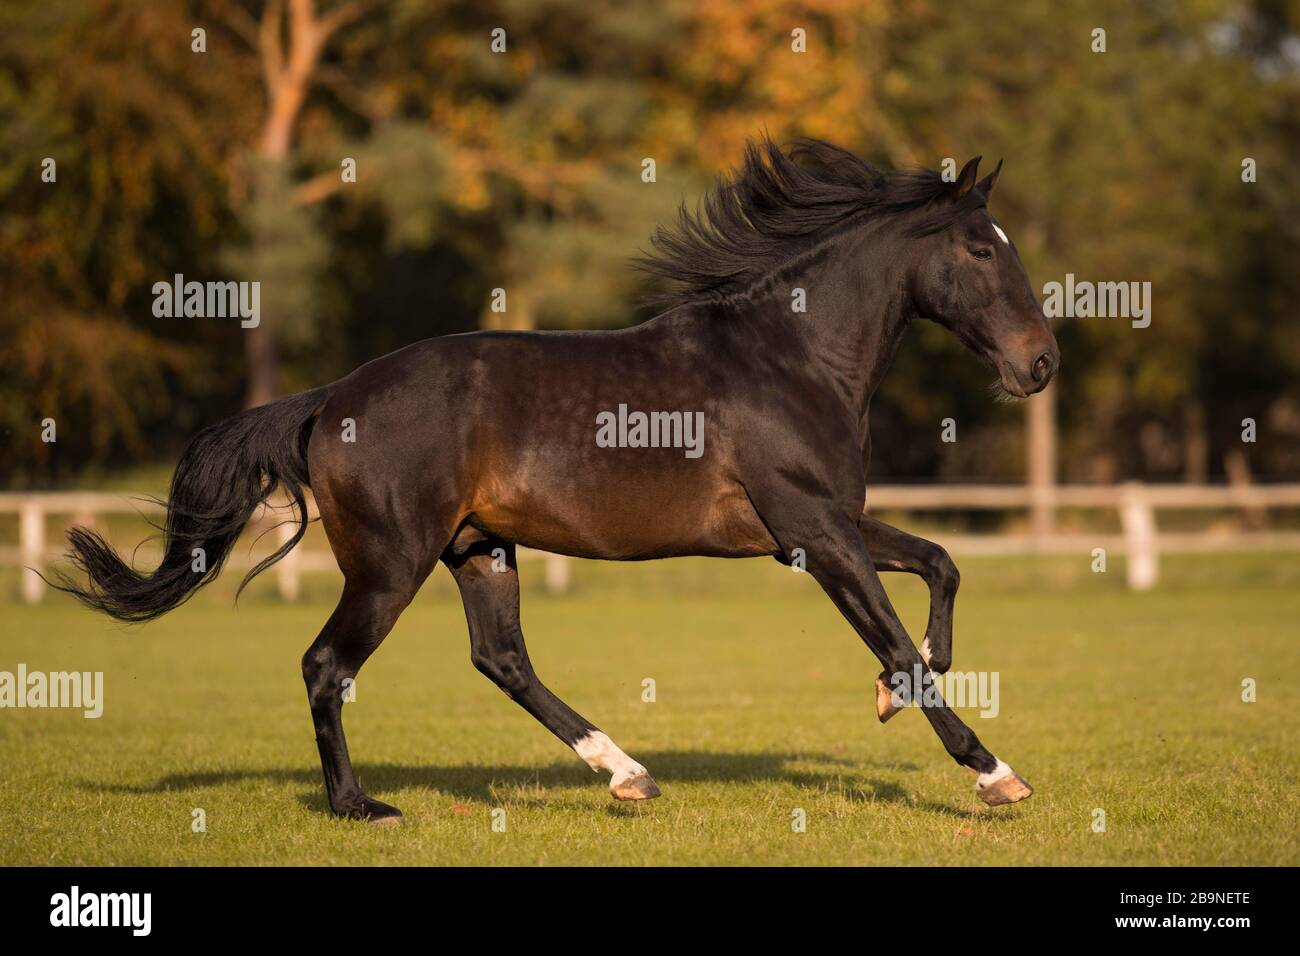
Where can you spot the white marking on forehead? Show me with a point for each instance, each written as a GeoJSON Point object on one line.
{"type": "Point", "coordinates": [1001, 235]}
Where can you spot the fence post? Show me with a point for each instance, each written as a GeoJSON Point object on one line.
{"type": "Point", "coordinates": [288, 573]}
{"type": "Point", "coordinates": [557, 574]}
{"type": "Point", "coordinates": [31, 548]}
{"type": "Point", "coordinates": [1040, 436]}
{"type": "Point", "coordinates": [1138, 520]}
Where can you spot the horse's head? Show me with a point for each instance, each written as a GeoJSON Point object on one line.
{"type": "Point", "coordinates": [970, 280]}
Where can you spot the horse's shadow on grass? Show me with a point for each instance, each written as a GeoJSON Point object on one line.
{"type": "Point", "coordinates": [851, 779]}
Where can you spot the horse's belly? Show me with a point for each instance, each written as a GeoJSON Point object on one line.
{"type": "Point", "coordinates": [631, 521]}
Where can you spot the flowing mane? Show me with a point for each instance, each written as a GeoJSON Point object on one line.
{"type": "Point", "coordinates": [780, 203]}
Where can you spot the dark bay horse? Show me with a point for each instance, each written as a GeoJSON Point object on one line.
{"type": "Point", "coordinates": [733, 424]}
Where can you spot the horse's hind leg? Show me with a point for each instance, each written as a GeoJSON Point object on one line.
{"type": "Point", "coordinates": [363, 618]}
{"type": "Point", "coordinates": [489, 587]}
{"type": "Point", "coordinates": [384, 559]}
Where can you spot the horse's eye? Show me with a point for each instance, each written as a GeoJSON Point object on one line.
{"type": "Point", "coordinates": [982, 254]}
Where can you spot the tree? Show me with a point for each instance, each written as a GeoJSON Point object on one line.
{"type": "Point", "coordinates": [284, 250]}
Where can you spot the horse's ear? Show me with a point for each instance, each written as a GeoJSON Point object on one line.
{"type": "Point", "coordinates": [966, 178]}
{"type": "Point", "coordinates": [988, 182]}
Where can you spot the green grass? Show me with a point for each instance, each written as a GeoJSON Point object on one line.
{"type": "Point", "coordinates": [1129, 703]}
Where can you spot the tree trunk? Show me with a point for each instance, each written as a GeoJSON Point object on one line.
{"type": "Point", "coordinates": [288, 69]}
{"type": "Point", "coordinates": [263, 366]}
{"type": "Point", "coordinates": [1196, 445]}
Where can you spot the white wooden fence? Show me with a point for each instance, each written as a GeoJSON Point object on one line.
{"type": "Point", "coordinates": [1140, 539]}
{"type": "Point", "coordinates": [83, 508]}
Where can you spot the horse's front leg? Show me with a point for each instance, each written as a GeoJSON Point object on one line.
{"type": "Point", "coordinates": [895, 550]}
{"type": "Point", "coordinates": [839, 561]}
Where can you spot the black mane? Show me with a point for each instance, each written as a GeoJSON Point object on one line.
{"type": "Point", "coordinates": [780, 204]}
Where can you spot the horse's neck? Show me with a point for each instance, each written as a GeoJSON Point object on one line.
{"type": "Point", "coordinates": [858, 311]}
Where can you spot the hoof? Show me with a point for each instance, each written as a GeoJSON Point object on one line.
{"type": "Point", "coordinates": [373, 812]}
{"type": "Point", "coordinates": [639, 786]}
{"type": "Point", "coordinates": [1009, 788]}
{"type": "Point", "coordinates": [885, 701]}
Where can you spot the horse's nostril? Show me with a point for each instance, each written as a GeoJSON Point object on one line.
{"type": "Point", "coordinates": [1042, 367]}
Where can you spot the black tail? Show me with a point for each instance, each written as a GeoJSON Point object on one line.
{"type": "Point", "coordinates": [227, 470]}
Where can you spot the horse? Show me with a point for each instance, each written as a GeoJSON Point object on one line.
{"type": "Point", "coordinates": [783, 297]}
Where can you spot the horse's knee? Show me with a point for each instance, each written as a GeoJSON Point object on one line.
{"type": "Point", "coordinates": [940, 571]}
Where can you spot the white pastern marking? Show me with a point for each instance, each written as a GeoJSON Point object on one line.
{"type": "Point", "coordinates": [601, 753]}
{"type": "Point", "coordinates": [1001, 235]}
{"type": "Point", "coordinates": [987, 780]}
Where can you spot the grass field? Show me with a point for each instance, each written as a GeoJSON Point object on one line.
{"type": "Point", "coordinates": [1127, 703]}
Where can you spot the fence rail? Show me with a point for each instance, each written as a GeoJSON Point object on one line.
{"type": "Point", "coordinates": [1136, 504]}
{"type": "Point", "coordinates": [35, 552]}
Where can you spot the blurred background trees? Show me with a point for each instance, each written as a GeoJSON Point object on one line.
{"type": "Point", "coordinates": [523, 170]}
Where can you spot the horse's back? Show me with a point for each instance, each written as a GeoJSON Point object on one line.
{"type": "Point", "coordinates": [604, 444]}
